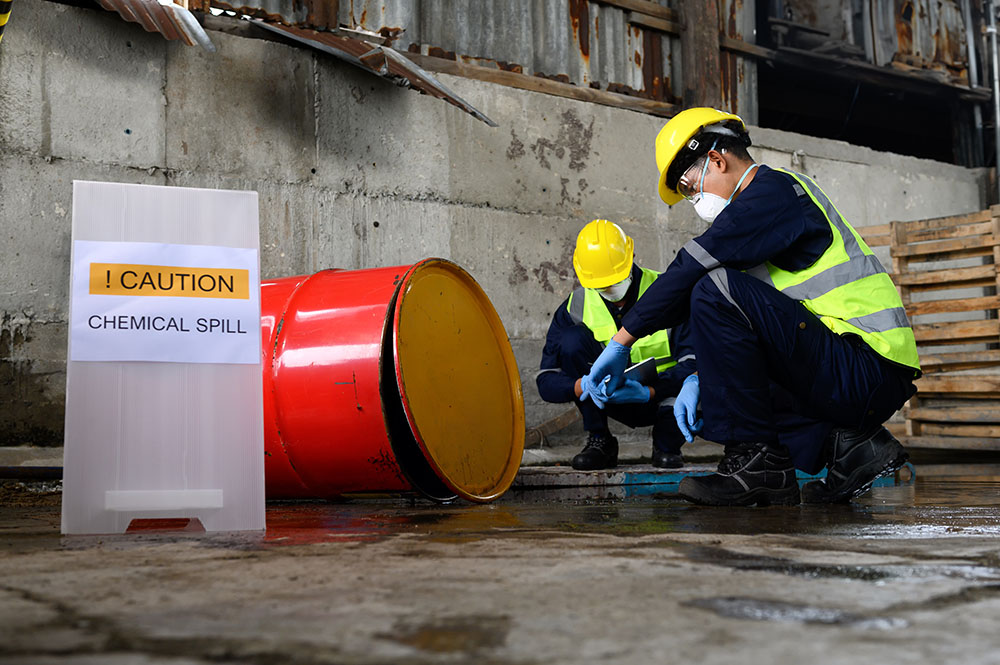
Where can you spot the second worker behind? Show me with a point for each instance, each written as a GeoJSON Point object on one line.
{"type": "Point", "coordinates": [611, 282]}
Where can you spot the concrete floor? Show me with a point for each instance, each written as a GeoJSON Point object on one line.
{"type": "Point", "coordinates": [910, 573]}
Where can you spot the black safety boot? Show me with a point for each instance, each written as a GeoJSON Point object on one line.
{"type": "Point", "coordinates": [855, 458]}
{"type": "Point", "coordinates": [601, 452]}
{"type": "Point", "coordinates": [749, 473]}
{"type": "Point", "coordinates": [664, 460]}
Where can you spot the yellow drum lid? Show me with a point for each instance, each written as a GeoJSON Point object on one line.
{"type": "Point", "coordinates": [458, 380]}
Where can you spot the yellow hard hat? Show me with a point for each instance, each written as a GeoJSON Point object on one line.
{"type": "Point", "coordinates": [676, 136]}
{"type": "Point", "coordinates": [603, 255]}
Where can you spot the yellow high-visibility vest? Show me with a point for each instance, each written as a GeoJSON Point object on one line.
{"type": "Point", "coordinates": [847, 287]}
{"type": "Point", "coordinates": [587, 307]}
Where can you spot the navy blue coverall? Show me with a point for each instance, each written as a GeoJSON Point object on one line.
{"type": "Point", "coordinates": [570, 350]}
{"type": "Point", "coordinates": [769, 370]}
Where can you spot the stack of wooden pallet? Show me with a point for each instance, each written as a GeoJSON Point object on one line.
{"type": "Point", "coordinates": [946, 271]}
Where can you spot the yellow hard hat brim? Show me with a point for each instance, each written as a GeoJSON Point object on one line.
{"type": "Point", "coordinates": [669, 196]}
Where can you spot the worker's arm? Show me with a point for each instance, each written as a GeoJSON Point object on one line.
{"type": "Point", "coordinates": [554, 385]}
{"type": "Point", "coordinates": [767, 222]}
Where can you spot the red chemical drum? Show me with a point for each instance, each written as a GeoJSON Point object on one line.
{"type": "Point", "coordinates": [388, 379]}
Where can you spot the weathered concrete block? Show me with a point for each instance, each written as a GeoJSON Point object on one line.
{"type": "Point", "coordinates": [246, 110]}
{"type": "Point", "coordinates": [848, 185]}
{"type": "Point", "coordinates": [377, 138]}
{"type": "Point", "coordinates": [36, 206]}
{"type": "Point", "coordinates": [32, 380]}
{"type": "Point", "coordinates": [553, 155]}
{"type": "Point", "coordinates": [82, 83]}
{"type": "Point", "coordinates": [287, 217]}
{"type": "Point", "coordinates": [905, 189]}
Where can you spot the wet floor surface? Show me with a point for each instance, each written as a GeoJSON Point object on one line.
{"type": "Point", "coordinates": [908, 573]}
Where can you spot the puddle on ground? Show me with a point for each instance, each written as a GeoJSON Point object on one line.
{"type": "Point", "coordinates": [942, 501]}
{"type": "Point", "coordinates": [755, 609]}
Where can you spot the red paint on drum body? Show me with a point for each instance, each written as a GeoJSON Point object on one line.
{"type": "Point", "coordinates": [321, 383]}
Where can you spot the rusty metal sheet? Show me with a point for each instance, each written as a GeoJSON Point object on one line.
{"type": "Point", "coordinates": [583, 42]}
{"type": "Point", "coordinates": [378, 59]}
{"type": "Point", "coordinates": [170, 20]}
{"type": "Point", "coordinates": [739, 73]}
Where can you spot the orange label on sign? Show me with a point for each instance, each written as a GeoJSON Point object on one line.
{"type": "Point", "coordinates": [123, 279]}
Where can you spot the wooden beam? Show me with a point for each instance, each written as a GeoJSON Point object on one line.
{"type": "Point", "coordinates": [543, 85]}
{"type": "Point", "coordinates": [876, 235]}
{"type": "Point", "coordinates": [949, 248]}
{"type": "Point", "coordinates": [987, 413]}
{"type": "Point", "coordinates": [653, 23]}
{"type": "Point", "coordinates": [952, 305]}
{"type": "Point", "coordinates": [950, 279]}
{"type": "Point", "coordinates": [957, 332]}
{"type": "Point", "coordinates": [643, 7]}
{"type": "Point", "coordinates": [951, 442]}
{"type": "Point", "coordinates": [855, 70]}
{"type": "Point", "coordinates": [700, 53]}
{"type": "Point", "coordinates": [982, 384]}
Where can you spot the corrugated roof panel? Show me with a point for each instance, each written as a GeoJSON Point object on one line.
{"type": "Point", "coordinates": [172, 21]}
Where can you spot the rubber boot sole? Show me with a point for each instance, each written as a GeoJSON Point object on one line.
{"type": "Point", "coordinates": [859, 481]}
{"type": "Point", "coordinates": [694, 492]}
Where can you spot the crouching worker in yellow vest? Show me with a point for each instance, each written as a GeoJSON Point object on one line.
{"type": "Point", "coordinates": [611, 282]}
{"type": "Point", "coordinates": [804, 347]}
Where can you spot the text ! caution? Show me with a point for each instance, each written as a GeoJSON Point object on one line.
{"type": "Point", "coordinates": [121, 279]}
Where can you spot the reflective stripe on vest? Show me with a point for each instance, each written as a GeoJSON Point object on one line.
{"type": "Point", "coordinates": [587, 307]}
{"type": "Point", "coordinates": [847, 287]}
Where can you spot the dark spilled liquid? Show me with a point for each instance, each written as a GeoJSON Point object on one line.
{"type": "Point", "coordinates": [940, 501]}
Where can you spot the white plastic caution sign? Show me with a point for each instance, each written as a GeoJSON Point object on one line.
{"type": "Point", "coordinates": [164, 407]}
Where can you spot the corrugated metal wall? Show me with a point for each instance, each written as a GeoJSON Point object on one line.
{"type": "Point", "coordinates": [739, 74]}
{"type": "Point", "coordinates": [927, 34]}
{"type": "Point", "coordinates": [581, 42]}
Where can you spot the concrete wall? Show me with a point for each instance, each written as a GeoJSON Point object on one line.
{"type": "Point", "coordinates": [352, 172]}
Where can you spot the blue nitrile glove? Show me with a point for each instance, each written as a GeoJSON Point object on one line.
{"type": "Point", "coordinates": [630, 392]}
{"type": "Point", "coordinates": [685, 406]}
{"type": "Point", "coordinates": [611, 363]}
{"type": "Point", "coordinates": [595, 393]}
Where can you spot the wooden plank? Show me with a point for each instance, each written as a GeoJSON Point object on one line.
{"type": "Point", "coordinates": [653, 23]}
{"type": "Point", "coordinates": [953, 305]}
{"type": "Point", "coordinates": [746, 48]}
{"type": "Point", "coordinates": [950, 442]}
{"type": "Point", "coordinates": [954, 247]}
{"type": "Point", "coordinates": [966, 384]}
{"type": "Point", "coordinates": [986, 413]}
{"type": "Point", "coordinates": [876, 235]}
{"type": "Point", "coordinates": [954, 278]}
{"type": "Point", "coordinates": [956, 332]}
{"type": "Point", "coordinates": [938, 429]}
{"type": "Point", "coordinates": [538, 84]}
{"type": "Point", "coordinates": [960, 471]}
{"type": "Point", "coordinates": [940, 222]}
{"type": "Point", "coordinates": [702, 85]}
{"type": "Point", "coordinates": [959, 360]}
{"type": "Point", "coordinates": [952, 232]}
{"type": "Point", "coordinates": [646, 7]}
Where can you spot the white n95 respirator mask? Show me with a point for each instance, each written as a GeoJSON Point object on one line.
{"type": "Point", "coordinates": [616, 292]}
